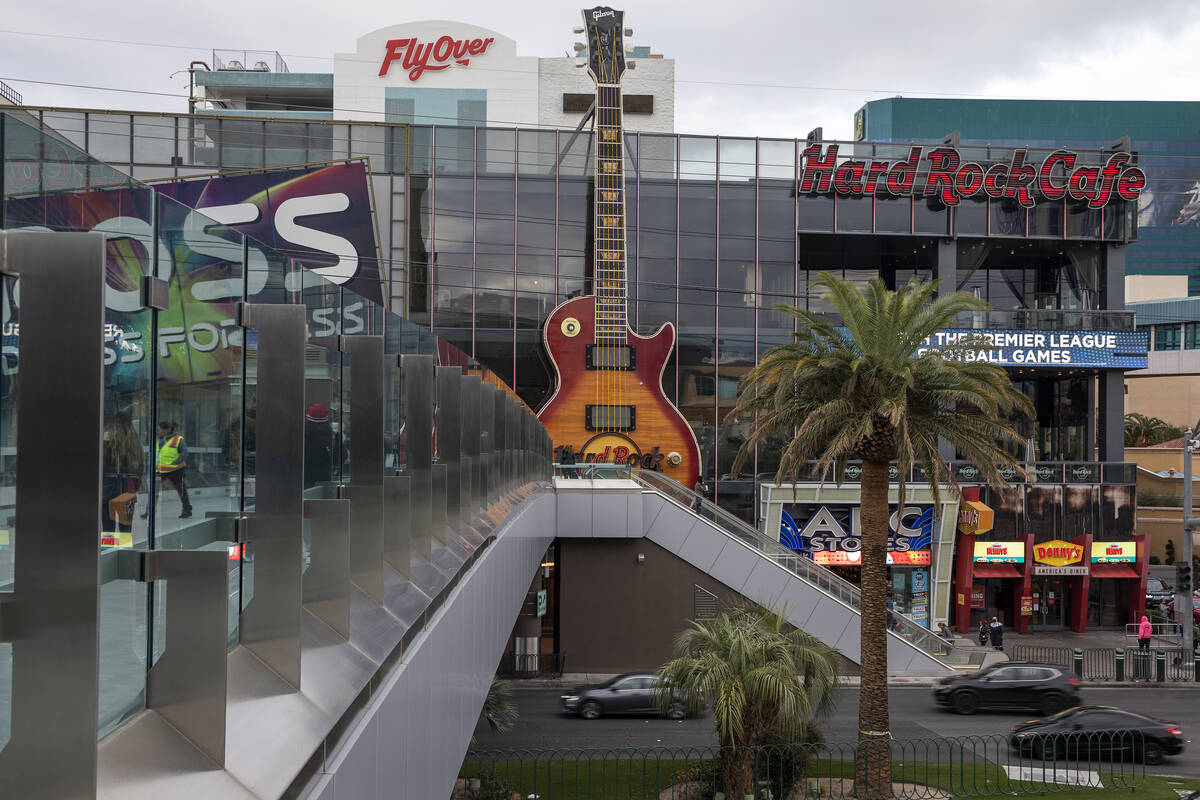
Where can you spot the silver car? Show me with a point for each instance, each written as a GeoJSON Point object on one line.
{"type": "Point", "coordinates": [631, 693]}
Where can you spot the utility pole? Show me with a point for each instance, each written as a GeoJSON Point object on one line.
{"type": "Point", "coordinates": [1183, 600]}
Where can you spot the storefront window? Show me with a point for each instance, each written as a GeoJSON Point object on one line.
{"type": "Point", "coordinates": [1166, 337]}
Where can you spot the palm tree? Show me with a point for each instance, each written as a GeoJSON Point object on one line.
{"type": "Point", "coordinates": [1144, 431]}
{"type": "Point", "coordinates": [766, 680]}
{"type": "Point", "coordinates": [874, 390]}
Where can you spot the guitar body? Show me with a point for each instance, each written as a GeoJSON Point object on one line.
{"type": "Point", "coordinates": [659, 432]}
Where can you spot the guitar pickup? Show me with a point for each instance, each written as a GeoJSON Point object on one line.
{"type": "Point", "coordinates": [611, 356]}
{"type": "Point", "coordinates": [611, 418]}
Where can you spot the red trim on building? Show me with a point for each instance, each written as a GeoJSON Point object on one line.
{"type": "Point", "coordinates": [997, 571]}
{"type": "Point", "coordinates": [1114, 571]}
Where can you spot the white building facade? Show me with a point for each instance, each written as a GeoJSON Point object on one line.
{"type": "Point", "coordinates": [440, 72]}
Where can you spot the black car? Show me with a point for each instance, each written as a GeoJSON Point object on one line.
{"type": "Point", "coordinates": [631, 693]}
{"type": "Point", "coordinates": [1098, 732]}
{"type": "Point", "coordinates": [1157, 593]}
{"type": "Point", "coordinates": [1010, 684]}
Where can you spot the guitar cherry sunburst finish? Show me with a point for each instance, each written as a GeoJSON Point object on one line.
{"type": "Point", "coordinates": [658, 423]}
{"type": "Point", "coordinates": [608, 405]}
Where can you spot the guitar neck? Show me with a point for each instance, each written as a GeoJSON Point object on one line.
{"type": "Point", "coordinates": [612, 314]}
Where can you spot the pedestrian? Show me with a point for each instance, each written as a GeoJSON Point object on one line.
{"type": "Point", "coordinates": [996, 634]}
{"type": "Point", "coordinates": [699, 489]}
{"type": "Point", "coordinates": [171, 464]}
{"type": "Point", "coordinates": [984, 634]}
{"type": "Point", "coordinates": [1145, 631]}
{"type": "Point", "coordinates": [891, 617]}
{"type": "Point", "coordinates": [567, 459]}
{"type": "Point", "coordinates": [945, 632]}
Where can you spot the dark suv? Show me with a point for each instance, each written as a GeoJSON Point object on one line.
{"type": "Point", "coordinates": [1012, 684]}
{"type": "Point", "coordinates": [631, 693]}
{"type": "Point", "coordinates": [1158, 592]}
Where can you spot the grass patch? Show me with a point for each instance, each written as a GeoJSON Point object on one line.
{"type": "Point", "coordinates": [604, 776]}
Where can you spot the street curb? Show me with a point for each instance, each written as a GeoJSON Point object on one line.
{"type": "Point", "coordinates": [848, 681]}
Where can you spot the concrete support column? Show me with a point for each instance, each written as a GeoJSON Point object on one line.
{"type": "Point", "coordinates": [1110, 421]}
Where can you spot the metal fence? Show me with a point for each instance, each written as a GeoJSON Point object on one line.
{"type": "Point", "coordinates": [1042, 654]}
{"type": "Point", "coordinates": [1099, 664]}
{"type": "Point", "coordinates": [921, 769]}
{"type": "Point", "coordinates": [1129, 664]}
{"type": "Point", "coordinates": [530, 665]}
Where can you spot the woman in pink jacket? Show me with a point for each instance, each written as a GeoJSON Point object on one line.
{"type": "Point", "coordinates": [1145, 630]}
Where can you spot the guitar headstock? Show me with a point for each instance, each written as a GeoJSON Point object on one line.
{"type": "Point", "coordinates": [605, 43]}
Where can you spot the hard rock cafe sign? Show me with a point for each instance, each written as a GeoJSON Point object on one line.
{"type": "Point", "coordinates": [951, 178]}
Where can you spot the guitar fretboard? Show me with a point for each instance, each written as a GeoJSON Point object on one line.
{"type": "Point", "coordinates": [611, 297]}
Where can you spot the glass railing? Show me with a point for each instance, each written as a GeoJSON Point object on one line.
{"type": "Point", "coordinates": [1048, 319]}
{"type": "Point", "coordinates": [803, 568]}
{"type": "Point", "coordinates": [190, 364]}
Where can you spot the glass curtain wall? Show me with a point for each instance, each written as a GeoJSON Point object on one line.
{"type": "Point", "coordinates": [181, 386]}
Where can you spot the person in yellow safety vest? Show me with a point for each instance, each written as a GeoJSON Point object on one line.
{"type": "Point", "coordinates": [171, 463]}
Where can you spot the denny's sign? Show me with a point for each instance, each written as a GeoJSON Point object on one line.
{"type": "Point", "coordinates": [946, 175]}
{"type": "Point", "coordinates": [1058, 558]}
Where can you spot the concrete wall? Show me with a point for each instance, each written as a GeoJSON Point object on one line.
{"type": "Point", "coordinates": [653, 76]}
{"type": "Point", "coordinates": [617, 614]}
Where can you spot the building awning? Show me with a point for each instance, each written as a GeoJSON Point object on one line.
{"type": "Point", "coordinates": [997, 571]}
{"type": "Point", "coordinates": [1114, 571]}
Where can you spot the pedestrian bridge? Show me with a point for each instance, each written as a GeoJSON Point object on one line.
{"type": "Point", "coordinates": [299, 638]}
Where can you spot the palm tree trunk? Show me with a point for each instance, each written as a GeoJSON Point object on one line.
{"type": "Point", "coordinates": [873, 768]}
{"type": "Point", "coordinates": [737, 771]}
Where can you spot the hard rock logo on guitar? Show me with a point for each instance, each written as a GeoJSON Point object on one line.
{"type": "Point", "coordinates": [608, 405]}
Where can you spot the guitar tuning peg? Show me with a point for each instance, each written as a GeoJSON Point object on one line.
{"type": "Point", "coordinates": [580, 46]}
{"type": "Point", "coordinates": [629, 31]}
{"type": "Point", "coordinates": [630, 65]}
{"type": "Point", "coordinates": [577, 30]}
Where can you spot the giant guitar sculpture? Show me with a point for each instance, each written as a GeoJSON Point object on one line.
{"type": "Point", "coordinates": [608, 405]}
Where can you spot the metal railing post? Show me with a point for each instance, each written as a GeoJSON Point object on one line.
{"type": "Point", "coordinates": [1119, 664]}
{"type": "Point", "coordinates": [1160, 666]}
{"type": "Point", "coordinates": [1077, 662]}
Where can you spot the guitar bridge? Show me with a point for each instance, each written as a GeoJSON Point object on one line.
{"type": "Point", "coordinates": [611, 356]}
{"type": "Point", "coordinates": [611, 418]}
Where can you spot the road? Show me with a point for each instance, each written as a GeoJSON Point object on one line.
{"type": "Point", "coordinates": [913, 715]}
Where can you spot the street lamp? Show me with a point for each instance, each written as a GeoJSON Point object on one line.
{"type": "Point", "coordinates": [1183, 600]}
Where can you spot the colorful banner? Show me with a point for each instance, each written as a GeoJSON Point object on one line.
{"type": "Point", "coordinates": [1114, 552]}
{"type": "Point", "coordinates": [321, 216]}
{"type": "Point", "coordinates": [831, 533]}
{"type": "Point", "coordinates": [1000, 552]}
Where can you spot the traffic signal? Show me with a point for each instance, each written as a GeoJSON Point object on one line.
{"type": "Point", "coordinates": [1183, 578]}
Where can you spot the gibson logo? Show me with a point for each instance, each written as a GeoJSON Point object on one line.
{"type": "Point", "coordinates": [597, 14]}
{"type": "Point", "coordinates": [417, 57]}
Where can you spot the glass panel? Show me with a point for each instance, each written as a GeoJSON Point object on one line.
{"type": "Point", "coordinates": [153, 140]}
{"type": "Point", "coordinates": [285, 143]}
{"type": "Point", "coordinates": [109, 138]}
{"type": "Point", "coordinates": [201, 441]}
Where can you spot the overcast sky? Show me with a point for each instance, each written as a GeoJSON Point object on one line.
{"type": "Point", "coordinates": [747, 67]}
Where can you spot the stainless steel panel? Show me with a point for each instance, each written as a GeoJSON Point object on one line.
{"type": "Point", "coordinates": [470, 445]}
{"type": "Point", "coordinates": [500, 442]}
{"type": "Point", "coordinates": [270, 622]}
{"type": "Point", "coordinates": [53, 616]}
{"type": "Point", "coordinates": [397, 524]}
{"type": "Point", "coordinates": [327, 580]}
{"type": "Point", "coordinates": [366, 463]}
{"type": "Point", "coordinates": [188, 683]}
{"type": "Point", "coordinates": [418, 424]}
{"type": "Point", "coordinates": [487, 430]}
{"type": "Point", "coordinates": [438, 474]}
{"type": "Point", "coordinates": [449, 426]}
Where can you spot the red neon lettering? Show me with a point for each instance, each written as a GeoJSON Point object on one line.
{"type": "Point", "coordinates": [1108, 179]}
{"type": "Point", "coordinates": [942, 163]}
{"type": "Point", "coordinates": [1133, 180]}
{"type": "Point", "coordinates": [1083, 183]}
{"type": "Point", "coordinates": [1045, 185]}
{"type": "Point", "coordinates": [995, 179]}
{"type": "Point", "coordinates": [818, 172]}
{"type": "Point", "coordinates": [1020, 175]}
{"type": "Point", "coordinates": [968, 180]}
{"type": "Point", "coordinates": [903, 175]}
{"type": "Point", "coordinates": [849, 178]}
{"type": "Point", "coordinates": [877, 170]}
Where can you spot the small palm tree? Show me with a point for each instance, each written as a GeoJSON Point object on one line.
{"type": "Point", "coordinates": [872, 389]}
{"type": "Point", "coordinates": [1144, 431]}
{"type": "Point", "coordinates": [765, 680]}
{"type": "Point", "coordinates": [499, 711]}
